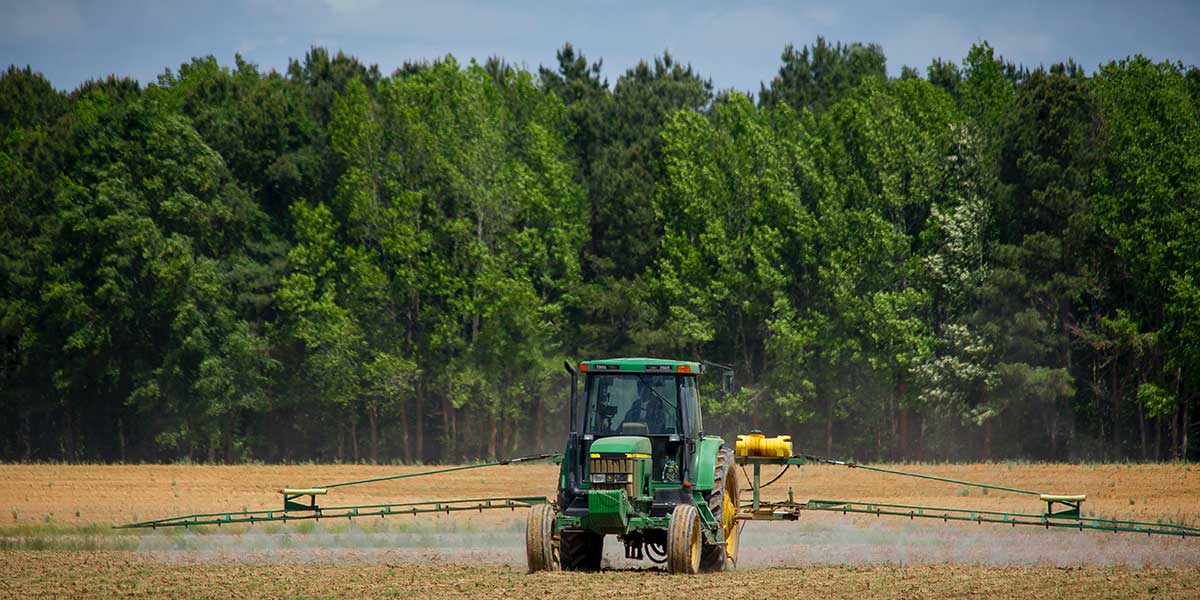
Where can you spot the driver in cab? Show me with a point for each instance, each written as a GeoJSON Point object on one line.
{"type": "Point", "coordinates": [645, 415]}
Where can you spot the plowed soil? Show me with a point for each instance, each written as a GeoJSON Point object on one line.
{"type": "Point", "coordinates": [55, 541]}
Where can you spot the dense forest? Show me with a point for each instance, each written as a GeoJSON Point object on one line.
{"type": "Point", "coordinates": [981, 261]}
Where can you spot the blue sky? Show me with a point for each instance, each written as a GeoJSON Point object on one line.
{"type": "Point", "coordinates": [737, 44]}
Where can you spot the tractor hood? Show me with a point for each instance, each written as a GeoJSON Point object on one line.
{"type": "Point", "coordinates": [621, 444]}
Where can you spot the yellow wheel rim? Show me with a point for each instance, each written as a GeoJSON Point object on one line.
{"type": "Point", "coordinates": [695, 546]}
{"type": "Point", "coordinates": [729, 520]}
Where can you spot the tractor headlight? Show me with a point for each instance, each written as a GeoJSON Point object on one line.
{"type": "Point", "coordinates": [597, 477]}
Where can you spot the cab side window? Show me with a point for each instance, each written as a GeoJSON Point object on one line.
{"type": "Point", "coordinates": [690, 401]}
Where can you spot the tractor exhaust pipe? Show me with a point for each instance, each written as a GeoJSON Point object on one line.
{"type": "Point", "coordinates": [574, 463]}
{"type": "Point", "coordinates": [574, 394]}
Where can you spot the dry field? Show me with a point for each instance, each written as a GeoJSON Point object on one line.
{"type": "Point", "coordinates": [55, 540]}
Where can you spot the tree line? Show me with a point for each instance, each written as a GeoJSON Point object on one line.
{"type": "Point", "coordinates": [980, 261]}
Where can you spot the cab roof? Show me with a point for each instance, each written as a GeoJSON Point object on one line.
{"type": "Point", "coordinates": [641, 365]}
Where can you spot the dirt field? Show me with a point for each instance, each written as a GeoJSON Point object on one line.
{"type": "Point", "coordinates": [55, 538]}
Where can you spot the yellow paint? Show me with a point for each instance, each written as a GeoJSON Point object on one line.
{"type": "Point", "coordinates": [757, 444]}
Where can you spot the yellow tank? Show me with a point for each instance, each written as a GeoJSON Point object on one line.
{"type": "Point", "coordinates": [757, 444]}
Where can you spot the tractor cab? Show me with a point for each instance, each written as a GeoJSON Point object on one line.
{"type": "Point", "coordinates": [653, 399]}
{"type": "Point", "coordinates": [636, 438]}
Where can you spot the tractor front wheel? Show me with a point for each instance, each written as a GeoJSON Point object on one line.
{"type": "Point", "coordinates": [683, 540]}
{"type": "Point", "coordinates": [541, 543]}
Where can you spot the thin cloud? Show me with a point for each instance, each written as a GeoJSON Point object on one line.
{"type": "Point", "coordinates": [41, 20]}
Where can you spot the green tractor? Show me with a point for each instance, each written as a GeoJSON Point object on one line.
{"type": "Point", "coordinates": [639, 466]}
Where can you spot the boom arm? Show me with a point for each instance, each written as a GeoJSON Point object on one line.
{"type": "Point", "coordinates": [1062, 511]}
{"type": "Point", "coordinates": [296, 511]}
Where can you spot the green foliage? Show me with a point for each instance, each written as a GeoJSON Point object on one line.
{"type": "Point", "coordinates": [816, 77]}
{"type": "Point", "coordinates": [329, 263]}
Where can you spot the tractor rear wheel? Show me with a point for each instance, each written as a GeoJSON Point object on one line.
{"type": "Point", "coordinates": [723, 502]}
{"type": "Point", "coordinates": [541, 544]}
{"type": "Point", "coordinates": [684, 540]}
{"type": "Point", "coordinates": [580, 550]}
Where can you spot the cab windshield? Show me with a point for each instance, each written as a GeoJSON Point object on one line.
{"type": "Point", "coordinates": [632, 404]}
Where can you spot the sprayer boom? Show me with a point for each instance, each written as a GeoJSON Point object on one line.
{"type": "Point", "coordinates": [1062, 510]}
{"type": "Point", "coordinates": [297, 511]}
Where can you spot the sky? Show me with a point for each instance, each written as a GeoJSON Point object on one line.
{"type": "Point", "coordinates": [736, 44]}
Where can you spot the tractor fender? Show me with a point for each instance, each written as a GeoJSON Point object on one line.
{"type": "Point", "coordinates": [704, 461]}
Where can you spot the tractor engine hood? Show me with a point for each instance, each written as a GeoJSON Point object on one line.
{"type": "Point", "coordinates": [622, 444]}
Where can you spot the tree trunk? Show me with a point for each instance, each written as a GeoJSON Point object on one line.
{"type": "Point", "coordinates": [405, 429]}
{"type": "Point", "coordinates": [1071, 433]}
{"type": "Point", "coordinates": [1175, 433]}
{"type": "Point", "coordinates": [491, 444]}
{"type": "Point", "coordinates": [539, 414]}
{"type": "Point", "coordinates": [514, 438]}
{"type": "Point", "coordinates": [1175, 417]}
{"type": "Point", "coordinates": [505, 432]}
{"type": "Point", "coordinates": [829, 428]}
{"type": "Point", "coordinates": [895, 442]}
{"type": "Point", "coordinates": [354, 436]}
{"type": "Point", "coordinates": [1116, 407]}
{"type": "Point", "coordinates": [419, 424]}
{"type": "Point", "coordinates": [1096, 379]}
{"type": "Point", "coordinates": [449, 422]}
{"type": "Point", "coordinates": [987, 440]}
{"type": "Point", "coordinates": [120, 439]}
{"type": "Point", "coordinates": [227, 438]}
{"type": "Point", "coordinates": [27, 437]}
{"type": "Point", "coordinates": [921, 440]}
{"type": "Point", "coordinates": [414, 310]}
{"type": "Point", "coordinates": [1186, 426]}
{"type": "Point", "coordinates": [68, 432]}
{"type": "Point", "coordinates": [455, 449]}
{"type": "Point", "coordinates": [447, 432]}
{"type": "Point", "coordinates": [1158, 429]}
{"type": "Point", "coordinates": [373, 420]}
{"type": "Point", "coordinates": [1142, 427]}
{"type": "Point", "coordinates": [1054, 434]}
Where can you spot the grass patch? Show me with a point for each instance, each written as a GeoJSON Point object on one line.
{"type": "Point", "coordinates": [89, 543]}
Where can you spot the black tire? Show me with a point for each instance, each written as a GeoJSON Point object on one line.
{"type": "Point", "coordinates": [580, 550]}
{"type": "Point", "coordinates": [726, 483]}
{"type": "Point", "coordinates": [541, 545]}
{"type": "Point", "coordinates": [684, 540]}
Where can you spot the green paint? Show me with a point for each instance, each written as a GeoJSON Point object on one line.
{"type": "Point", "coordinates": [986, 516]}
{"type": "Point", "coordinates": [639, 365]}
{"type": "Point", "coordinates": [621, 444]}
{"type": "Point", "coordinates": [340, 512]}
{"type": "Point", "coordinates": [704, 461]}
{"type": "Point", "coordinates": [608, 511]}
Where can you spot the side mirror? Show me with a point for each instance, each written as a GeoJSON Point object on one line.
{"type": "Point", "coordinates": [726, 376]}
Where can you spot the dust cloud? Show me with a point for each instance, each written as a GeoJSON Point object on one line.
{"type": "Point", "coordinates": [818, 539]}
{"type": "Point", "coordinates": [829, 539]}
